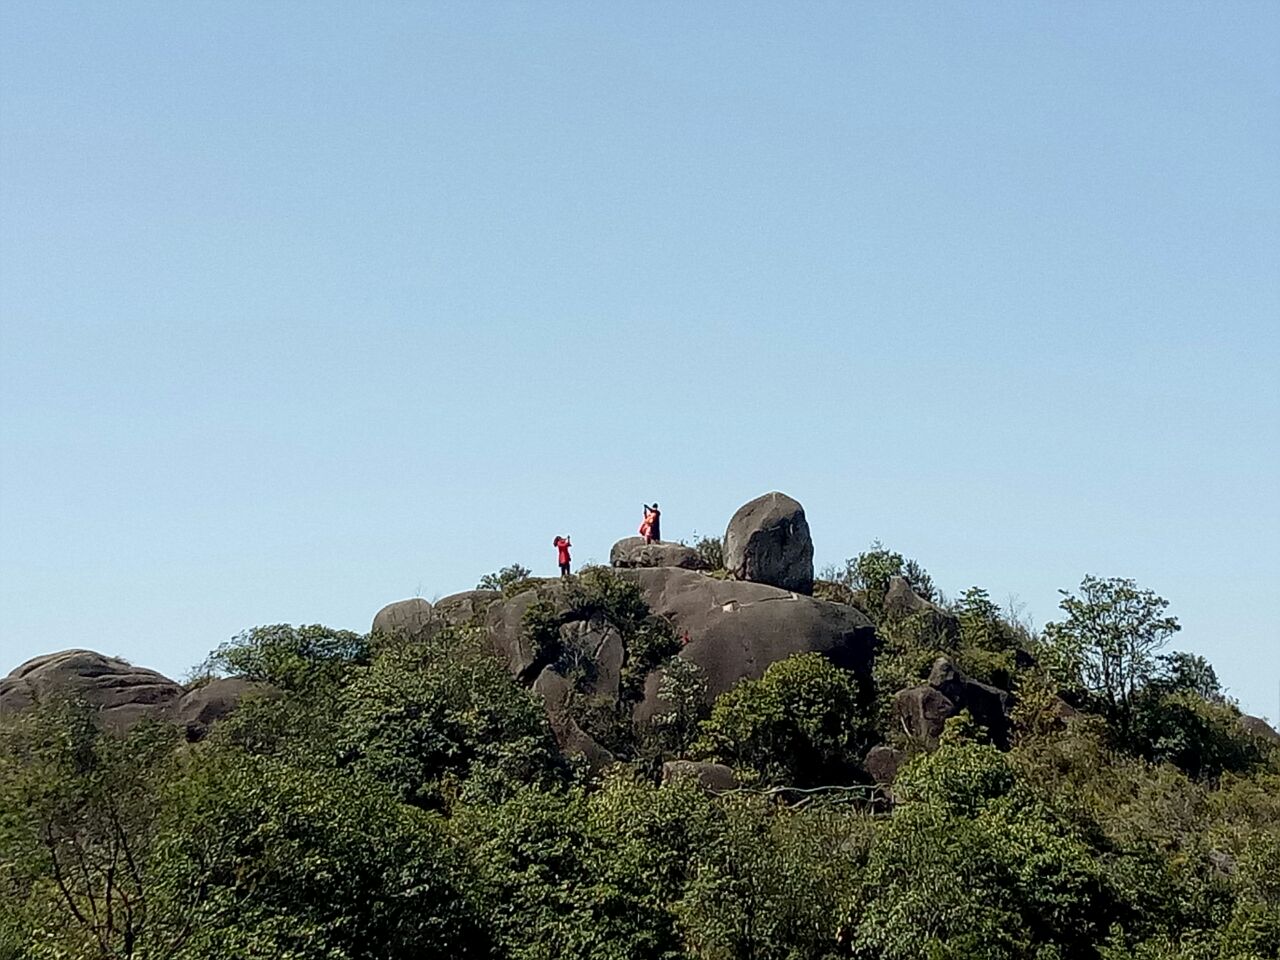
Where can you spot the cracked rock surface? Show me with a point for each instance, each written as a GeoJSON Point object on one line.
{"type": "Point", "coordinates": [736, 629]}
{"type": "Point", "coordinates": [768, 541]}
{"type": "Point", "coordinates": [119, 692]}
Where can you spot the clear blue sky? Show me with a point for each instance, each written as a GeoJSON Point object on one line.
{"type": "Point", "coordinates": [311, 307]}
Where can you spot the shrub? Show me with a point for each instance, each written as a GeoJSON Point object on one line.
{"type": "Point", "coordinates": [711, 550]}
{"type": "Point", "coordinates": [289, 657]}
{"type": "Point", "coordinates": [437, 723]}
{"type": "Point", "coordinates": [801, 724]}
{"type": "Point", "coordinates": [509, 580]}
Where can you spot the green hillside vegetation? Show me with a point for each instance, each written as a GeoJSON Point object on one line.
{"type": "Point", "coordinates": [396, 799]}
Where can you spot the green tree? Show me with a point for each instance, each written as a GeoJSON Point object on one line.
{"type": "Point", "coordinates": [770, 883]}
{"type": "Point", "coordinates": [1108, 642]}
{"type": "Point", "coordinates": [292, 658]}
{"type": "Point", "coordinates": [79, 828]}
{"type": "Point", "coordinates": [869, 574]}
{"type": "Point", "coordinates": [269, 859]}
{"type": "Point", "coordinates": [1182, 672]}
{"type": "Point", "coordinates": [801, 724]}
{"type": "Point", "coordinates": [507, 580]}
{"type": "Point", "coordinates": [711, 550]}
{"type": "Point", "coordinates": [432, 721]}
{"type": "Point", "coordinates": [684, 688]}
{"type": "Point", "coordinates": [970, 866]}
{"type": "Point", "coordinates": [555, 889]}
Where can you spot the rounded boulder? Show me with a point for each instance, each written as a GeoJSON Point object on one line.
{"type": "Point", "coordinates": [633, 552]}
{"type": "Point", "coordinates": [768, 541]}
{"type": "Point", "coordinates": [411, 619]}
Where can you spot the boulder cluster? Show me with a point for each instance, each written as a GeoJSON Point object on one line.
{"type": "Point", "coordinates": [121, 694]}
{"type": "Point", "coordinates": [732, 623]}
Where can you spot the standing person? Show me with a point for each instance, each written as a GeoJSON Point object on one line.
{"type": "Point", "coordinates": [651, 529]}
{"type": "Point", "coordinates": [562, 546]}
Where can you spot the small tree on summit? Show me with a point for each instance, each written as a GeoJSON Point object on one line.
{"type": "Point", "coordinates": [1109, 641]}
{"type": "Point", "coordinates": [505, 579]}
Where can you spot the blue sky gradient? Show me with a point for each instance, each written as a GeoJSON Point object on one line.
{"type": "Point", "coordinates": [311, 307]}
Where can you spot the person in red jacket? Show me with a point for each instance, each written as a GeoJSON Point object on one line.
{"type": "Point", "coordinates": [651, 529]}
{"type": "Point", "coordinates": [562, 546]}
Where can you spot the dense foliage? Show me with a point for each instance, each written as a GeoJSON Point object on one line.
{"type": "Point", "coordinates": [402, 799]}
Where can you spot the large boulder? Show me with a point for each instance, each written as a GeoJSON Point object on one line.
{"type": "Point", "coordinates": [988, 705]}
{"type": "Point", "coordinates": [768, 541]}
{"type": "Point", "coordinates": [735, 630]}
{"type": "Point", "coordinates": [460, 609]}
{"type": "Point", "coordinates": [121, 693]}
{"type": "Point", "coordinates": [505, 622]}
{"type": "Point", "coordinates": [407, 619]}
{"type": "Point", "coordinates": [197, 710]}
{"type": "Point", "coordinates": [922, 711]}
{"type": "Point", "coordinates": [883, 763]}
{"type": "Point", "coordinates": [557, 692]}
{"type": "Point", "coordinates": [713, 777]}
{"type": "Point", "coordinates": [634, 552]}
{"type": "Point", "coordinates": [1257, 727]}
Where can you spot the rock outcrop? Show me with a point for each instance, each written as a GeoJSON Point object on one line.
{"type": "Point", "coordinates": [768, 542]}
{"type": "Point", "coordinates": [201, 707]}
{"type": "Point", "coordinates": [470, 606]}
{"type": "Point", "coordinates": [504, 621]}
{"type": "Point", "coordinates": [556, 692]}
{"type": "Point", "coordinates": [922, 710]}
{"type": "Point", "coordinates": [736, 630]}
{"type": "Point", "coordinates": [988, 705]}
{"type": "Point", "coordinates": [883, 762]}
{"type": "Point", "coordinates": [1257, 727]}
{"type": "Point", "coordinates": [408, 619]}
{"type": "Point", "coordinates": [120, 693]}
{"type": "Point", "coordinates": [715, 777]}
{"type": "Point", "coordinates": [901, 601]}
{"type": "Point", "coordinates": [634, 552]}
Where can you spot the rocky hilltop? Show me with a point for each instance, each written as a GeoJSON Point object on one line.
{"type": "Point", "coordinates": [701, 751]}
{"type": "Point", "coordinates": [732, 622]}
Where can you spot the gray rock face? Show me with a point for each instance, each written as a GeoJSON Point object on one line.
{"type": "Point", "coordinates": [922, 711]}
{"type": "Point", "coordinates": [200, 708]}
{"type": "Point", "coordinates": [768, 541]}
{"type": "Point", "coordinates": [505, 624]}
{"type": "Point", "coordinates": [470, 606]}
{"type": "Point", "coordinates": [121, 693]}
{"type": "Point", "coordinates": [883, 762]}
{"type": "Point", "coordinates": [634, 552]}
{"type": "Point", "coordinates": [1257, 727]}
{"type": "Point", "coordinates": [901, 601]}
{"type": "Point", "coordinates": [600, 652]}
{"type": "Point", "coordinates": [715, 777]}
{"type": "Point", "coordinates": [555, 691]}
{"type": "Point", "coordinates": [410, 619]}
{"type": "Point", "coordinates": [736, 630]}
{"type": "Point", "coordinates": [988, 705]}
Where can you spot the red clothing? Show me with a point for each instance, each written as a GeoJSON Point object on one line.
{"type": "Point", "coordinates": [562, 546]}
